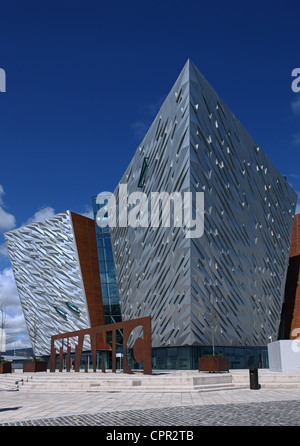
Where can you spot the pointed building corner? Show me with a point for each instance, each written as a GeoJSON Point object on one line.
{"type": "Point", "coordinates": [196, 144]}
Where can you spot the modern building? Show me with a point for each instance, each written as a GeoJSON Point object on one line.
{"type": "Point", "coordinates": [201, 242]}
{"type": "Point", "coordinates": [225, 286]}
{"type": "Point", "coordinates": [55, 265]}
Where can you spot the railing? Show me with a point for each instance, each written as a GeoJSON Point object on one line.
{"type": "Point", "coordinates": [141, 348]}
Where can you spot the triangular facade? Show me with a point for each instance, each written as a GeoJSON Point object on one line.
{"type": "Point", "coordinates": [229, 282]}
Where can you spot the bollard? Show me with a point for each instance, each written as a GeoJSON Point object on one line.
{"type": "Point", "coordinates": [253, 375]}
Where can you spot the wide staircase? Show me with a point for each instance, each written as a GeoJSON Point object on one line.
{"type": "Point", "coordinates": [161, 381]}
{"type": "Point", "coordinates": [191, 381]}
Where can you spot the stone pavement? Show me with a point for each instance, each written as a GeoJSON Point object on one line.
{"type": "Point", "coordinates": [246, 407]}
{"type": "Point", "coordinates": [279, 413]}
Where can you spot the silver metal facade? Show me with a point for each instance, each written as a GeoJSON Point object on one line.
{"type": "Point", "coordinates": [230, 282]}
{"type": "Point", "coordinates": [47, 272]}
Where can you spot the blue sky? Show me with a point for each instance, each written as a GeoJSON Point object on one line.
{"type": "Point", "coordinates": [85, 79]}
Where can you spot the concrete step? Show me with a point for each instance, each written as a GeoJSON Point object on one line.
{"type": "Point", "coordinates": [8, 384]}
{"type": "Point", "coordinates": [99, 382]}
{"type": "Point", "coordinates": [123, 383]}
{"type": "Point", "coordinates": [123, 389]}
{"type": "Point", "coordinates": [160, 382]}
{"type": "Point", "coordinates": [269, 379]}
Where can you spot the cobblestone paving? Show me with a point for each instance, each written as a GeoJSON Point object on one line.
{"type": "Point", "coordinates": [275, 413]}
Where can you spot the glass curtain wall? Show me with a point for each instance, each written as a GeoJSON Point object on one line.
{"type": "Point", "coordinates": [109, 287]}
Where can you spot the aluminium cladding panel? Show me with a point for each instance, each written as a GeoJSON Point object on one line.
{"type": "Point", "coordinates": [231, 278]}
{"type": "Point", "coordinates": [239, 265]}
{"type": "Point", "coordinates": [152, 264]}
{"type": "Point", "coordinates": [47, 273]}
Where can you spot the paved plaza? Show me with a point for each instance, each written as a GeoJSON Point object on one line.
{"type": "Point", "coordinates": [279, 413]}
{"type": "Point", "coordinates": [275, 413]}
{"type": "Point", "coordinates": [234, 407]}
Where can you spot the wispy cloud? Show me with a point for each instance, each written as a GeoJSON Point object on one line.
{"type": "Point", "coordinates": [48, 211]}
{"type": "Point", "coordinates": [88, 213]}
{"type": "Point", "coordinates": [2, 193]}
{"type": "Point", "coordinates": [152, 109]}
{"type": "Point", "coordinates": [141, 125]}
{"type": "Point", "coordinates": [139, 129]}
{"type": "Point", "coordinates": [8, 292]}
{"type": "Point", "coordinates": [16, 331]}
{"type": "Point", "coordinates": [41, 214]}
{"type": "Point", "coordinates": [294, 175]}
{"type": "Point", "coordinates": [7, 220]}
{"type": "Point", "coordinates": [3, 250]}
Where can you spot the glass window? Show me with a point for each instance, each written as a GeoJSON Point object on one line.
{"type": "Point", "coordinates": [109, 255]}
{"type": "Point", "coordinates": [110, 278]}
{"type": "Point", "coordinates": [114, 301]}
{"type": "Point", "coordinates": [102, 267]}
{"type": "Point", "coordinates": [101, 256]}
{"type": "Point", "coordinates": [110, 267]}
{"type": "Point", "coordinates": [104, 290]}
{"type": "Point", "coordinates": [113, 290]}
{"type": "Point", "coordinates": [106, 241]}
{"type": "Point", "coordinates": [172, 358]}
{"type": "Point", "coordinates": [103, 278]}
{"type": "Point", "coordinates": [143, 172]}
{"type": "Point", "coordinates": [100, 244]}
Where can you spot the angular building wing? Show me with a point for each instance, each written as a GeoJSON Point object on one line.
{"type": "Point", "coordinates": [229, 282]}
{"type": "Point", "coordinates": [55, 266]}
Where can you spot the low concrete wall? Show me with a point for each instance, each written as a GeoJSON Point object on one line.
{"type": "Point", "coordinates": [284, 356]}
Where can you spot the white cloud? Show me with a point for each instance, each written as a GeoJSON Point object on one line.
{"type": "Point", "coordinates": [48, 211]}
{"type": "Point", "coordinates": [7, 221]}
{"type": "Point", "coordinates": [148, 111]}
{"type": "Point", "coordinates": [88, 213]}
{"type": "Point", "coordinates": [41, 215]}
{"type": "Point", "coordinates": [15, 327]}
{"type": "Point", "coordinates": [8, 292]}
{"type": "Point", "coordinates": [3, 250]}
{"type": "Point", "coordinates": [1, 194]}
{"type": "Point", "coordinates": [140, 129]}
{"type": "Point", "coordinates": [16, 333]}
